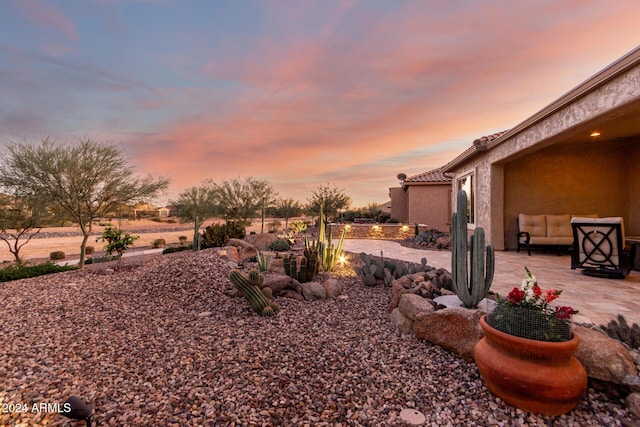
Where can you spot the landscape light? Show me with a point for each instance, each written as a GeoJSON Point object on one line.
{"type": "Point", "coordinates": [75, 409]}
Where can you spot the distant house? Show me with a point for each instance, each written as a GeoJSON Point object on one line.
{"type": "Point", "coordinates": [164, 212]}
{"type": "Point", "coordinates": [144, 210]}
{"type": "Point", "coordinates": [423, 199]}
{"type": "Point", "coordinates": [386, 207]}
{"type": "Point", "coordinates": [578, 155]}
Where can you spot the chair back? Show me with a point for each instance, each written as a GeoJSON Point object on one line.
{"type": "Point", "coordinates": [598, 242]}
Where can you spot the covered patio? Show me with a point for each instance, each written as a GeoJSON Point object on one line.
{"type": "Point", "coordinates": [598, 300]}
{"type": "Point", "coordinates": [578, 155]}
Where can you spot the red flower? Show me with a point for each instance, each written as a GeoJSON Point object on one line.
{"type": "Point", "coordinates": [515, 296]}
{"type": "Point", "coordinates": [537, 291]}
{"type": "Point", "coordinates": [552, 294]}
{"type": "Point", "coordinates": [565, 312]}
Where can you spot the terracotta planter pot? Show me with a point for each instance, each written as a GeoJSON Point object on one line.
{"type": "Point", "coordinates": [536, 376]}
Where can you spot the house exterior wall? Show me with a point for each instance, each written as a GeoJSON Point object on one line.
{"type": "Point", "coordinates": [398, 204]}
{"type": "Point", "coordinates": [632, 226]}
{"type": "Point", "coordinates": [570, 179]}
{"type": "Point", "coordinates": [429, 205]}
{"type": "Point", "coordinates": [610, 95]}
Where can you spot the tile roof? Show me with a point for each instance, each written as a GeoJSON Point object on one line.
{"type": "Point", "coordinates": [434, 175]}
{"type": "Point", "coordinates": [484, 140]}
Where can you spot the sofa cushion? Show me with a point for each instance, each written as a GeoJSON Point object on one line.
{"type": "Point", "coordinates": [559, 226]}
{"type": "Point", "coordinates": [535, 225]}
{"type": "Point", "coordinates": [544, 240]}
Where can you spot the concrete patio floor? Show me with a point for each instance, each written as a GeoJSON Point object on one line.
{"type": "Point", "coordinates": [598, 300]}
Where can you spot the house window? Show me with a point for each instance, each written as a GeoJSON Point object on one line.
{"type": "Point", "coordinates": [466, 183]}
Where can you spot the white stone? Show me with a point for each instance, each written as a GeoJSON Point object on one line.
{"type": "Point", "coordinates": [452, 301]}
{"type": "Point", "coordinates": [412, 417]}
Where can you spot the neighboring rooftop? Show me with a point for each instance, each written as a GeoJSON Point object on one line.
{"type": "Point", "coordinates": [434, 175]}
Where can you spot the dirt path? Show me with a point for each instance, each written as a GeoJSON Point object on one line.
{"type": "Point", "coordinates": [148, 231]}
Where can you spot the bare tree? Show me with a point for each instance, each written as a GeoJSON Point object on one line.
{"type": "Point", "coordinates": [20, 220]}
{"type": "Point", "coordinates": [87, 180]}
{"type": "Point", "coordinates": [287, 208]}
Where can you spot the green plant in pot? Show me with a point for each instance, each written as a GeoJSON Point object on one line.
{"type": "Point", "coordinates": [526, 355]}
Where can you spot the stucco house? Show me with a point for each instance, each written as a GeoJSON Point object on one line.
{"type": "Point", "coordinates": [423, 199]}
{"type": "Point", "coordinates": [578, 155]}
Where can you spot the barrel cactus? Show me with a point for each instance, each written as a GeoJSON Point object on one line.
{"type": "Point", "coordinates": [470, 292]}
{"type": "Point", "coordinates": [249, 287]}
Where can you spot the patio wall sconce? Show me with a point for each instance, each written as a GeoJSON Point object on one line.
{"type": "Point", "coordinates": [594, 134]}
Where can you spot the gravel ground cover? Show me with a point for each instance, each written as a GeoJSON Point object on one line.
{"type": "Point", "coordinates": [162, 344]}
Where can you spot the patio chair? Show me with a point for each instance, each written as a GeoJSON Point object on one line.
{"type": "Point", "coordinates": [599, 247]}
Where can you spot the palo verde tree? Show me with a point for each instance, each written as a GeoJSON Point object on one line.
{"type": "Point", "coordinates": [195, 202]}
{"type": "Point", "coordinates": [88, 180]}
{"type": "Point", "coordinates": [286, 208]}
{"type": "Point", "coordinates": [329, 196]}
{"type": "Point", "coordinates": [243, 198]}
{"type": "Point", "coordinates": [20, 220]}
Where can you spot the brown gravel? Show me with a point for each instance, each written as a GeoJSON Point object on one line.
{"type": "Point", "coordinates": [162, 345]}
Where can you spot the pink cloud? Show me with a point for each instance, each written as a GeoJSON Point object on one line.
{"type": "Point", "coordinates": [48, 15]}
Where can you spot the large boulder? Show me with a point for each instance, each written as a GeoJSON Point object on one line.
{"type": "Point", "coordinates": [411, 305]}
{"type": "Point", "coordinates": [399, 287]}
{"type": "Point", "coordinates": [277, 283]}
{"type": "Point", "coordinates": [332, 288]}
{"type": "Point", "coordinates": [261, 241]}
{"type": "Point", "coordinates": [232, 254]}
{"type": "Point", "coordinates": [401, 323]}
{"type": "Point", "coordinates": [312, 291]}
{"type": "Point", "coordinates": [454, 329]}
{"type": "Point", "coordinates": [604, 358]}
{"type": "Point", "coordinates": [246, 250]}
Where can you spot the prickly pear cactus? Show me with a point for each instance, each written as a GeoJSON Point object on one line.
{"type": "Point", "coordinates": [249, 287]}
{"type": "Point", "coordinates": [380, 270]}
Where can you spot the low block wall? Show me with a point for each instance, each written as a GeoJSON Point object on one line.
{"type": "Point", "coordinates": [377, 231]}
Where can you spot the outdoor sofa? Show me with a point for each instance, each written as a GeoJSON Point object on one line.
{"type": "Point", "coordinates": [546, 231]}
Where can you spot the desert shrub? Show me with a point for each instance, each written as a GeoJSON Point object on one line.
{"type": "Point", "coordinates": [105, 224]}
{"type": "Point", "coordinates": [89, 250]}
{"type": "Point", "coordinates": [175, 249]}
{"type": "Point", "coordinates": [279, 245]}
{"type": "Point", "coordinates": [155, 219]}
{"type": "Point", "coordinates": [158, 243]}
{"type": "Point", "coordinates": [183, 240]}
{"type": "Point", "coordinates": [298, 226]}
{"type": "Point", "coordinates": [99, 259]}
{"type": "Point", "coordinates": [56, 255]}
{"type": "Point", "coordinates": [171, 221]}
{"type": "Point", "coordinates": [274, 225]}
{"type": "Point", "coordinates": [17, 272]}
{"type": "Point", "coordinates": [216, 235]}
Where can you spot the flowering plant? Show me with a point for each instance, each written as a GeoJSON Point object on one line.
{"type": "Point", "coordinates": [527, 313]}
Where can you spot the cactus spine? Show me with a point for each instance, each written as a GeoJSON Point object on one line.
{"type": "Point", "coordinates": [469, 292]}
{"type": "Point", "coordinates": [249, 286]}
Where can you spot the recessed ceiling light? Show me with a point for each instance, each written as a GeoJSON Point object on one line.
{"type": "Point", "coordinates": [594, 134]}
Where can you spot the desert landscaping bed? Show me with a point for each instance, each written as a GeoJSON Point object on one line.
{"type": "Point", "coordinates": [163, 344]}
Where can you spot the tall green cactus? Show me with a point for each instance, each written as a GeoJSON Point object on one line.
{"type": "Point", "coordinates": [196, 234]}
{"type": "Point", "coordinates": [469, 292]}
{"type": "Point", "coordinates": [249, 286]}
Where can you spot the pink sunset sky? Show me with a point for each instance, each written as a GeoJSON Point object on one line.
{"type": "Point", "coordinates": [301, 93]}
